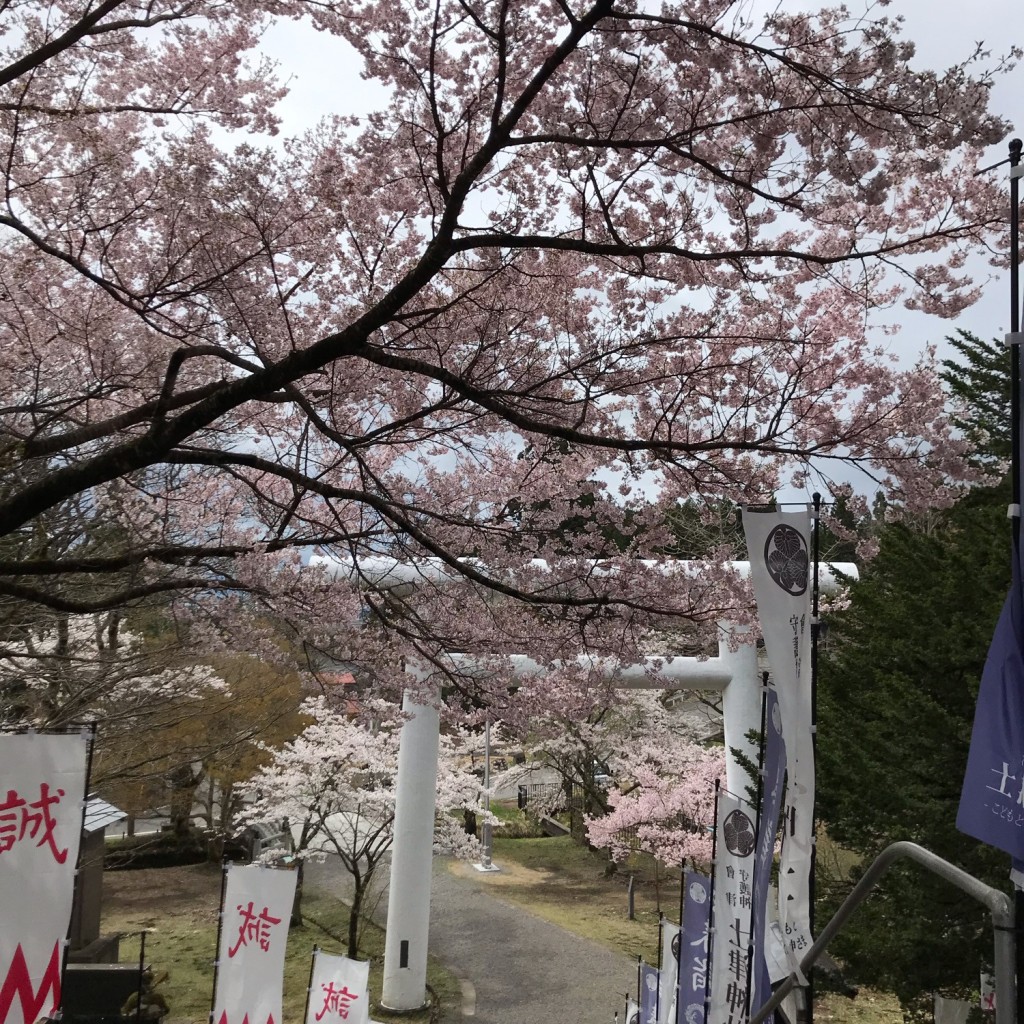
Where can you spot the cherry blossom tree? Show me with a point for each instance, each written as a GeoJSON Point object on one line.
{"type": "Point", "coordinates": [632, 771]}
{"type": "Point", "coordinates": [665, 805]}
{"type": "Point", "coordinates": [335, 783]}
{"type": "Point", "coordinates": [590, 247]}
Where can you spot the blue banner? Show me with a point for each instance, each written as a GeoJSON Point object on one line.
{"type": "Point", "coordinates": [992, 798]}
{"type": "Point", "coordinates": [648, 994]}
{"type": "Point", "coordinates": [774, 770]}
{"type": "Point", "coordinates": [691, 995]}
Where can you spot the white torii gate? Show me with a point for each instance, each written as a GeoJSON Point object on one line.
{"type": "Point", "coordinates": [734, 673]}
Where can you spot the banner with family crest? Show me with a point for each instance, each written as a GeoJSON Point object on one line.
{"type": "Point", "coordinates": [647, 984]}
{"type": "Point", "coordinates": [692, 991]}
{"type": "Point", "coordinates": [730, 938]}
{"type": "Point", "coordinates": [778, 546]}
{"type": "Point", "coordinates": [254, 934]}
{"type": "Point", "coordinates": [339, 990]}
{"type": "Point", "coordinates": [42, 799]}
{"type": "Point", "coordinates": [670, 937]}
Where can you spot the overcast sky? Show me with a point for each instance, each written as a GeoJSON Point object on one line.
{"type": "Point", "coordinates": [945, 34]}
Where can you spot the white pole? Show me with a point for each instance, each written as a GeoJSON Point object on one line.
{"type": "Point", "coordinates": [405, 945]}
{"type": "Point", "coordinates": [741, 705]}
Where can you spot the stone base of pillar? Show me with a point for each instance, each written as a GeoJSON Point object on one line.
{"type": "Point", "coordinates": [486, 867]}
{"type": "Point", "coordinates": [405, 1011]}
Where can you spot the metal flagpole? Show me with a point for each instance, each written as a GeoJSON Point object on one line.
{"type": "Point", "coordinates": [812, 876]}
{"type": "Point", "coordinates": [1016, 170]}
{"type": "Point", "coordinates": [661, 936]}
{"type": "Point", "coordinates": [220, 931]}
{"type": "Point", "coordinates": [639, 993]}
{"type": "Point", "coordinates": [679, 943]}
{"type": "Point", "coordinates": [309, 987]}
{"type": "Point", "coordinates": [757, 830]}
{"type": "Point", "coordinates": [711, 900]}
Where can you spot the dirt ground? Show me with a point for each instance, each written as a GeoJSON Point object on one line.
{"type": "Point", "coordinates": [193, 890]}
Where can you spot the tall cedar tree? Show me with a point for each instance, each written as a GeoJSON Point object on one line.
{"type": "Point", "coordinates": [896, 703]}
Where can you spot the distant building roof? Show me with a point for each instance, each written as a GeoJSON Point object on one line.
{"type": "Point", "coordinates": [99, 814]}
{"type": "Point", "coordinates": [337, 678]}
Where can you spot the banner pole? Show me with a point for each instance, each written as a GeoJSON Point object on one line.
{"type": "Point", "coordinates": [220, 932]}
{"type": "Point", "coordinates": [682, 889]}
{"type": "Point", "coordinates": [657, 997]}
{"type": "Point", "coordinates": [309, 987]}
{"type": "Point", "coordinates": [711, 898]}
{"type": "Point", "coordinates": [757, 830]}
{"type": "Point", "coordinates": [1015, 148]}
{"type": "Point", "coordinates": [812, 875]}
{"type": "Point", "coordinates": [679, 944]}
{"type": "Point", "coordinates": [89, 732]}
{"type": "Point", "coordinates": [639, 970]}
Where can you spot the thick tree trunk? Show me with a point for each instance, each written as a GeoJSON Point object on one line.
{"type": "Point", "coordinates": [183, 782]}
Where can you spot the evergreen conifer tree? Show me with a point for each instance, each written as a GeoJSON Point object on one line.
{"type": "Point", "coordinates": [897, 691]}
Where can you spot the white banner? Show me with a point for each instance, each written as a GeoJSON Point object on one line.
{"type": "Point", "coordinates": [254, 933]}
{"type": "Point", "coordinates": [669, 972]}
{"type": "Point", "coordinates": [735, 841]}
{"type": "Point", "coordinates": [42, 795]}
{"type": "Point", "coordinates": [779, 546]}
{"type": "Point", "coordinates": [339, 990]}
{"type": "Point", "coordinates": [988, 993]}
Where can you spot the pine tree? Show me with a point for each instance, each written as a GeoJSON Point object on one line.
{"type": "Point", "coordinates": [896, 703]}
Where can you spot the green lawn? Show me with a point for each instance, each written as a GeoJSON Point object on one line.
{"type": "Point", "coordinates": [180, 906]}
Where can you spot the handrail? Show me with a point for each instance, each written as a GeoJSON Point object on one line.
{"type": "Point", "coordinates": [999, 905]}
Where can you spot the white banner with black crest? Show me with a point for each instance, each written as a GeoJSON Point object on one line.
{"type": "Point", "coordinates": [779, 545]}
{"type": "Point", "coordinates": [671, 935]}
{"type": "Point", "coordinates": [730, 938]}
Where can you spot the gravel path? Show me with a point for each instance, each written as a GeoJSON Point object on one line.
{"type": "Point", "coordinates": [514, 967]}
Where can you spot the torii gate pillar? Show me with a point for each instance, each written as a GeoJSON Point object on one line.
{"type": "Point", "coordinates": [741, 704]}
{"type": "Point", "coordinates": [412, 856]}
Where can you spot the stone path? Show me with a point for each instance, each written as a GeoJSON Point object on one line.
{"type": "Point", "coordinates": [514, 967]}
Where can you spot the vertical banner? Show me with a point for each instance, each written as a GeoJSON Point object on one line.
{"type": "Point", "coordinates": [773, 772]}
{"type": "Point", "coordinates": [670, 936]}
{"type": "Point", "coordinates": [992, 797]}
{"type": "Point", "coordinates": [254, 933]}
{"type": "Point", "coordinates": [42, 795]}
{"type": "Point", "coordinates": [632, 1011]}
{"type": "Point", "coordinates": [730, 944]}
{"type": "Point", "coordinates": [692, 991]}
{"type": "Point", "coordinates": [339, 990]}
{"type": "Point", "coordinates": [648, 994]}
{"type": "Point", "coordinates": [778, 545]}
